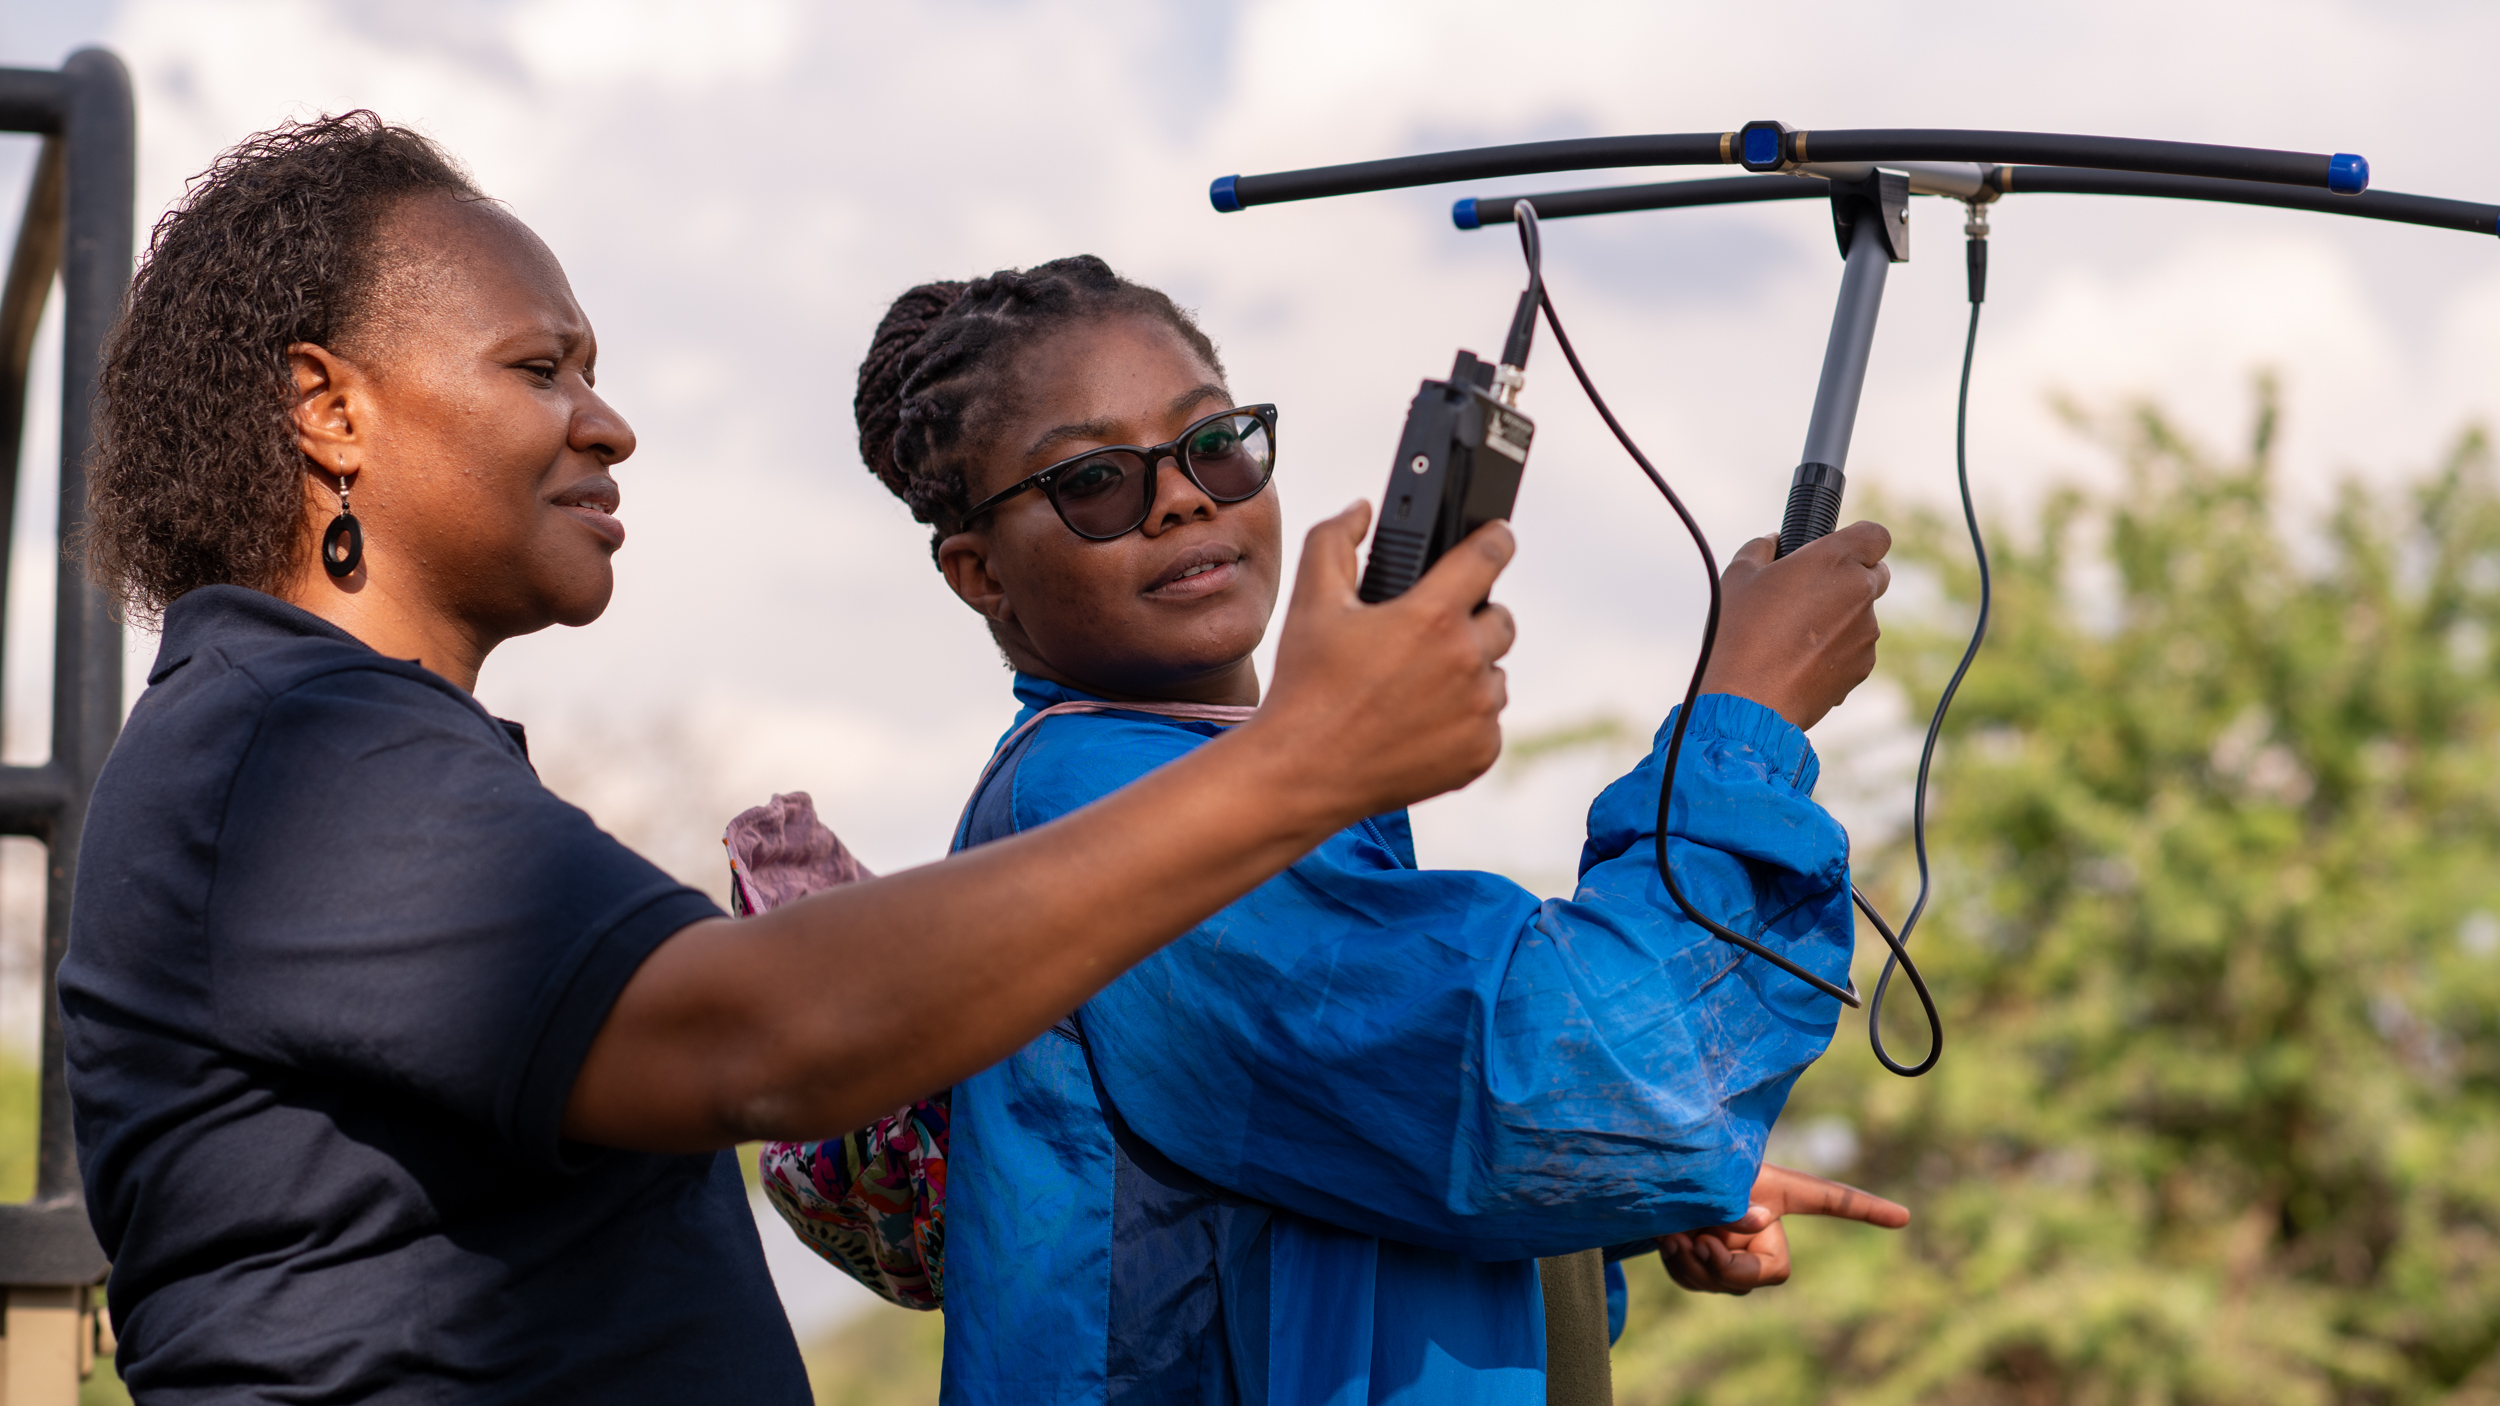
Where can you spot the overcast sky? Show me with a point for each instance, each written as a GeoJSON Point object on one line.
{"type": "Point", "coordinates": [738, 189]}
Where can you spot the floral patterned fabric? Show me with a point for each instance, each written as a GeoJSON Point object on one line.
{"type": "Point", "coordinates": [872, 1201]}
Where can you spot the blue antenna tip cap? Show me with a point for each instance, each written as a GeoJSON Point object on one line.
{"type": "Point", "coordinates": [1463, 214]}
{"type": "Point", "coordinates": [2347, 174]}
{"type": "Point", "coordinates": [1223, 196]}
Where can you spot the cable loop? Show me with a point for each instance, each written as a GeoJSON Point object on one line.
{"type": "Point", "coordinates": [1899, 955]}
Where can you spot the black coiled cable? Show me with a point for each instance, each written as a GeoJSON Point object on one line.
{"type": "Point", "coordinates": [1935, 728]}
{"type": "Point", "coordinates": [1532, 248]}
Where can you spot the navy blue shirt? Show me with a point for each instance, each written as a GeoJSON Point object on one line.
{"type": "Point", "coordinates": [335, 958]}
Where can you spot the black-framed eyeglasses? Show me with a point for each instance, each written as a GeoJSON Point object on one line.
{"type": "Point", "coordinates": [1109, 492]}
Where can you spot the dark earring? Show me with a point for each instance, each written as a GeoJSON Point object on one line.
{"type": "Point", "coordinates": [343, 545]}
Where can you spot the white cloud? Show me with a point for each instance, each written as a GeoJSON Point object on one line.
{"type": "Point", "coordinates": [682, 46]}
{"type": "Point", "coordinates": [737, 190]}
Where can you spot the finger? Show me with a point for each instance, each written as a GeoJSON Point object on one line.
{"type": "Point", "coordinates": [1849, 1203]}
{"type": "Point", "coordinates": [1686, 1274]}
{"type": "Point", "coordinates": [1769, 1256]}
{"type": "Point", "coordinates": [1882, 572]}
{"type": "Point", "coordinates": [1327, 574]}
{"type": "Point", "coordinates": [1865, 542]}
{"type": "Point", "coordinates": [1694, 1270]}
{"type": "Point", "coordinates": [1495, 630]}
{"type": "Point", "coordinates": [1731, 1271]}
{"type": "Point", "coordinates": [1800, 1193]}
{"type": "Point", "coordinates": [1464, 575]}
{"type": "Point", "coordinates": [1676, 1252]}
{"type": "Point", "coordinates": [1755, 1220]}
{"type": "Point", "coordinates": [1756, 554]}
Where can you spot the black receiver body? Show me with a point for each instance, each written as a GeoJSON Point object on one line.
{"type": "Point", "coordinates": [1458, 468]}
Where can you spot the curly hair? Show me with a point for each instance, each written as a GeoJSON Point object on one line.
{"type": "Point", "coordinates": [196, 478]}
{"type": "Point", "coordinates": [944, 355]}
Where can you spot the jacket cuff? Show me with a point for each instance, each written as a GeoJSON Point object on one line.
{"type": "Point", "coordinates": [1782, 748]}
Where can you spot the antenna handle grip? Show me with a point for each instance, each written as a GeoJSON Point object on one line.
{"type": "Point", "coordinates": [1813, 505]}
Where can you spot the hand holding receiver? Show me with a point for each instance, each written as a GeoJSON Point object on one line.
{"type": "Point", "coordinates": [1752, 1253]}
{"type": "Point", "coordinates": [1798, 633]}
{"type": "Point", "coordinates": [1380, 706]}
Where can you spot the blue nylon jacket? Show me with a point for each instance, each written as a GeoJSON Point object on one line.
{"type": "Point", "coordinates": [1309, 1152]}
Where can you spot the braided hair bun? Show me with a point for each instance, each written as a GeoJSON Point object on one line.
{"type": "Point", "coordinates": [882, 375]}
{"type": "Point", "coordinates": [945, 355]}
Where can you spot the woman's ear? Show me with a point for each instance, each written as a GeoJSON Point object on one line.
{"type": "Point", "coordinates": [965, 560]}
{"type": "Point", "coordinates": [327, 401]}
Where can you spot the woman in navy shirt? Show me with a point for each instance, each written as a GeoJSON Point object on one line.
{"type": "Point", "coordinates": [395, 1078]}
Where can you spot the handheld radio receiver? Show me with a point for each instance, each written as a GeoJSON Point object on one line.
{"type": "Point", "coordinates": [1465, 446]}
{"type": "Point", "coordinates": [1458, 468]}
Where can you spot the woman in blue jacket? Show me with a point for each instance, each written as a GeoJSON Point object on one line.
{"type": "Point", "coordinates": [1311, 1151]}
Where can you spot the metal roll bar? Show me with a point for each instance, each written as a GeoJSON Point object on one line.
{"type": "Point", "coordinates": [77, 226]}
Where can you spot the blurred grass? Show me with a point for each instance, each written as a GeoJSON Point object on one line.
{"type": "Point", "coordinates": [884, 1357]}
{"type": "Point", "coordinates": [19, 1094]}
{"type": "Point", "coordinates": [104, 1388]}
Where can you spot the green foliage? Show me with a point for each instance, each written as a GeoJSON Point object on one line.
{"type": "Point", "coordinates": [2217, 834]}
{"type": "Point", "coordinates": [1524, 750]}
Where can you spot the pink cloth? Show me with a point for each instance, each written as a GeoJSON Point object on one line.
{"type": "Point", "coordinates": [779, 851]}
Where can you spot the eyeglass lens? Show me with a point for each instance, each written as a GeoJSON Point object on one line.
{"type": "Point", "coordinates": [1105, 495]}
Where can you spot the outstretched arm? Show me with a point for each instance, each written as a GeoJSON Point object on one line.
{"type": "Point", "coordinates": [814, 1018]}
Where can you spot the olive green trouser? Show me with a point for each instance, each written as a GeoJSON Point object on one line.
{"type": "Point", "coordinates": [1577, 1369]}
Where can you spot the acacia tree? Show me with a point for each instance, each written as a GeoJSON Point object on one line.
{"type": "Point", "coordinates": [2218, 946]}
